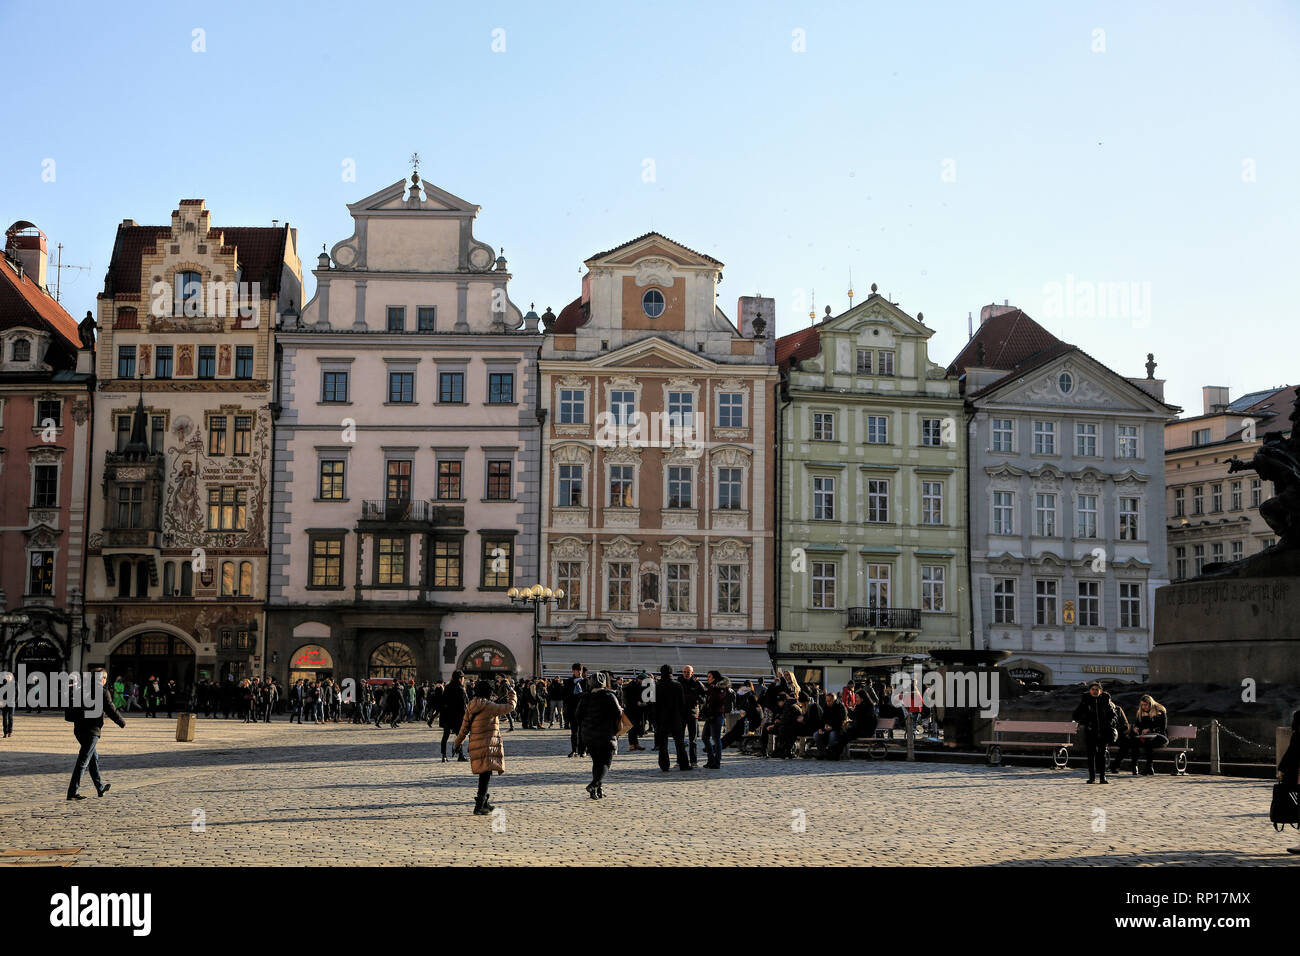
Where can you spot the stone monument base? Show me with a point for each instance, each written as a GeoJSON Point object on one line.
{"type": "Point", "coordinates": [1226, 629]}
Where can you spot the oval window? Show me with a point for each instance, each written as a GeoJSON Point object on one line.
{"type": "Point", "coordinates": [1066, 382]}
{"type": "Point", "coordinates": [652, 303]}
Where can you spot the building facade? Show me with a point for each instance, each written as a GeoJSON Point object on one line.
{"type": "Point", "coordinates": [46, 403]}
{"type": "Point", "coordinates": [1213, 515]}
{"type": "Point", "coordinates": [658, 469]}
{"type": "Point", "coordinates": [177, 558]}
{"type": "Point", "coordinates": [872, 507]}
{"type": "Point", "coordinates": [406, 453]}
{"type": "Point", "coordinates": [1067, 503]}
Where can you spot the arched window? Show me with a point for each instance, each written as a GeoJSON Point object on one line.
{"type": "Point", "coordinates": [142, 579]}
{"type": "Point", "coordinates": [169, 579]}
{"type": "Point", "coordinates": [124, 579]}
{"type": "Point", "coordinates": [22, 350]}
{"type": "Point", "coordinates": [227, 578]}
{"type": "Point", "coordinates": [189, 293]}
{"type": "Point", "coordinates": [246, 578]}
{"type": "Point", "coordinates": [187, 579]}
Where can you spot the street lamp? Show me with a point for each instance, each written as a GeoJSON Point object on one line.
{"type": "Point", "coordinates": [535, 596]}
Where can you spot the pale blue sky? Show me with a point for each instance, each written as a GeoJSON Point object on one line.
{"type": "Point", "coordinates": [1122, 166]}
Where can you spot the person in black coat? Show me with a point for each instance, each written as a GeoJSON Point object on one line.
{"type": "Point", "coordinates": [1152, 730]}
{"type": "Point", "coordinates": [87, 728]}
{"type": "Point", "coordinates": [827, 737]}
{"type": "Point", "coordinates": [1096, 714]}
{"type": "Point", "coordinates": [451, 711]}
{"type": "Point", "coordinates": [670, 719]}
{"type": "Point", "coordinates": [694, 693]}
{"type": "Point", "coordinates": [433, 703]}
{"type": "Point", "coordinates": [635, 707]}
{"type": "Point", "coordinates": [574, 687]}
{"type": "Point", "coordinates": [1288, 768]}
{"type": "Point", "coordinates": [598, 713]}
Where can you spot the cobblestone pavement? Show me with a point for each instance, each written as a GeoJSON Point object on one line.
{"type": "Point", "coordinates": [340, 793]}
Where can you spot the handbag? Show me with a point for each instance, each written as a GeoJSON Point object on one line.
{"type": "Point", "coordinates": [624, 722]}
{"type": "Point", "coordinates": [1285, 809]}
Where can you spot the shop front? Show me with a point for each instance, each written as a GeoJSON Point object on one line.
{"type": "Point", "coordinates": [833, 665]}
{"type": "Point", "coordinates": [310, 662]}
{"type": "Point", "coordinates": [485, 660]}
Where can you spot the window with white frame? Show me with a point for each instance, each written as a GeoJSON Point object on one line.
{"type": "Point", "coordinates": [619, 590]}
{"type": "Point", "coordinates": [679, 486]}
{"type": "Point", "coordinates": [620, 486]}
{"type": "Point", "coordinates": [1180, 563]}
{"type": "Point", "coordinates": [1198, 500]}
{"type": "Point", "coordinates": [878, 500]}
{"type": "Point", "coordinates": [884, 361]}
{"type": "Point", "coordinates": [1198, 559]}
{"type": "Point", "coordinates": [622, 407]}
{"type": "Point", "coordinates": [1130, 604]}
{"type": "Point", "coordinates": [568, 577]}
{"type": "Point", "coordinates": [573, 406]}
{"type": "Point", "coordinates": [729, 489]}
{"type": "Point", "coordinates": [823, 584]}
{"type": "Point", "coordinates": [1089, 604]}
{"type": "Point", "coordinates": [1044, 438]}
{"type": "Point", "coordinates": [1180, 503]}
{"type": "Point", "coordinates": [823, 489]}
{"type": "Point", "coordinates": [931, 432]}
{"type": "Point", "coordinates": [681, 409]}
{"type": "Point", "coordinates": [1085, 439]}
{"type": "Point", "coordinates": [1044, 602]}
{"type": "Point", "coordinates": [1004, 512]}
{"type": "Point", "coordinates": [932, 502]}
{"type": "Point", "coordinates": [569, 486]}
{"type": "Point", "coordinates": [678, 584]}
{"type": "Point", "coordinates": [877, 430]}
{"type": "Point", "coordinates": [1238, 549]}
{"type": "Point", "coordinates": [730, 578]}
{"type": "Point", "coordinates": [878, 576]}
{"type": "Point", "coordinates": [1086, 526]}
{"type": "Point", "coordinates": [1234, 496]}
{"type": "Point", "coordinates": [1004, 434]}
{"type": "Point", "coordinates": [1004, 601]}
{"type": "Point", "coordinates": [731, 410]}
{"type": "Point", "coordinates": [823, 426]}
{"type": "Point", "coordinates": [1256, 492]}
{"type": "Point", "coordinates": [864, 361]}
{"type": "Point", "coordinates": [1045, 515]}
{"type": "Point", "coordinates": [933, 596]}
{"type": "Point", "coordinates": [1126, 441]}
{"type": "Point", "coordinates": [1216, 497]}
{"type": "Point", "coordinates": [1128, 519]}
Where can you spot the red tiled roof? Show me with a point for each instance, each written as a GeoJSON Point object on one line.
{"type": "Point", "coordinates": [1009, 340]}
{"type": "Point", "coordinates": [571, 317]}
{"type": "Point", "coordinates": [23, 302]}
{"type": "Point", "coordinates": [800, 345]}
{"type": "Point", "coordinates": [609, 252]}
{"type": "Point", "coordinates": [260, 250]}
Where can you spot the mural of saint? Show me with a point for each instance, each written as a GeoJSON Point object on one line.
{"type": "Point", "coordinates": [223, 361]}
{"type": "Point", "coordinates": [146, 354]}
{"type": "Point", "coordinates": [185, 361]}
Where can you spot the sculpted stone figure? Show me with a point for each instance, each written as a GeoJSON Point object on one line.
{"type": "Point", "coordinates": [1278, 461]}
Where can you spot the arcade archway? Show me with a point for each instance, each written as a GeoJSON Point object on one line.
{"type": "Point", "coordinates": [392, 659]}
{"type": "Point", "coordinates": [153, 654]}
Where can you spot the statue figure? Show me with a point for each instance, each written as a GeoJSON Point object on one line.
{"type": "Point", "coordinates": [1278, 461]}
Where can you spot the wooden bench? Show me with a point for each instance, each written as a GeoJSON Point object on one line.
{"type": "Point", "coordinates": [877, 746]}
{"type": "Point", "coordinates": [1060, 749]}
{"type": "Point", "coordinates": [1182, 739]}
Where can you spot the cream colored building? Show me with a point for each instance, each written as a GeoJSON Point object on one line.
{"type": "Point", "coordinates": [1213, 516]}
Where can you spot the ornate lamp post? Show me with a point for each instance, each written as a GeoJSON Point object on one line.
{"type": "Point", "coordinates": [535, 596]}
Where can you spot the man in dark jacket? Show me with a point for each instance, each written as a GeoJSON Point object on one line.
{"type": "Point", "coordinates": [693, 693]}
{"type": "Point", "coordinates": [597, 713]}
{"type": "Point", "coordinates": [635, 708]}
{"type": "Point", "coordinates": [87, 728]}
{"type": "Point", "coordinates": [574, 688]}
{"type": "Point", "coordinates": [863, 725]}
{"type": "Point", "coordinates": [670, 719]}
{"type": "Point", "coordinates": [827, 737]}
{"type": "Point", "coordinates": [1097, 717]}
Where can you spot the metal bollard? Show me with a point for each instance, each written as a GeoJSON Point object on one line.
{"type": "Point", "coordinates": [1214, 746]}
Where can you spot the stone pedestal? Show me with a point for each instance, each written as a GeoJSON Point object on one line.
{"type": "Point", "coordinates": [1224, 630]}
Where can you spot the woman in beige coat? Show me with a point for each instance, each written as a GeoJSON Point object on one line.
{"type": "Point", "coordinates": [486, 753]}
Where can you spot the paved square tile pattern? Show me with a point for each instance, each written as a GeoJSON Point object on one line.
{"type": "Point", "coordinates": [339, 793]}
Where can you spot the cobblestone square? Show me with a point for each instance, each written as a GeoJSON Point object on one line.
{"type": "Point", "coordinates": [344, 794]}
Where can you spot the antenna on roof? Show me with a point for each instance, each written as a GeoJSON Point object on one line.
{"type": "Point", "coordinates": [970, 327]}
{"type": "Point", "coordinates": [58, 272]}
{"type": "Point", "coordinates": [812, 311]}
{"type": "Point", "coordinates": [850, 287]}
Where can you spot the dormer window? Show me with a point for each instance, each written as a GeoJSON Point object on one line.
{"type": "Point", "coordinates": [652, 303]}
{"type": "Point", "coordinates": [189, 293]}
{"type": "Point", "coordinates": [22, 350]}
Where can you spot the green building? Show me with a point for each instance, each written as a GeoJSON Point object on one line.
{"type": "Point", "coordinates": [872, 497]}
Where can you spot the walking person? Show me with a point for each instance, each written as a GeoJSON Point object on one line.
{"type": "Point", "coordinates": [670, 720]}
{"type": "Point", "coordinates": [1097, 717]}
{"type": "Point", "coordinates": [8, 698]}
{"type": "Point", "coordinates": [434, 703]}
{"type": "Point", "coordinates": [452, 712]}
{"type": "Point", "coordinates": [486, 752]}
{"type": "Point", "coordinates": [1288, 768]}
{"type": "Point", "coordinates": [599, 714]}
{"type": "Point", "coordinates": [87, 728]}
{"type": "Point", "coordinates": [718, 701]}
{"type": "Point", "coordinates": [635, 708]}
{"type": "Point", "coordinates": [574, 688]}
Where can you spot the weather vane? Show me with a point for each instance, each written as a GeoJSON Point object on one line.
{"type": "Point", "coordinates": [415, 161]}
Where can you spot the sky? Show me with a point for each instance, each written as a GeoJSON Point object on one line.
{"type": "Point", "coordinates": [1128, 177]}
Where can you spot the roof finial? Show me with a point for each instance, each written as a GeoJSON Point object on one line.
{"type": "Point", "coordinates": [1151, 365]}
{"type": "Point", "coordinates": [415, 164]}
{"type": "Point", "coordinates": [850, 287]}
{"type": "Point", "coordinates": [812, 310]}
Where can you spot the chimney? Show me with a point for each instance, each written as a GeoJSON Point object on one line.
{"type": "Point", "coordinates": [1214, 398]}
{"type": "Point", "coordinates": [751, 309]}
{"type": "Point", "coordinates": [27, 246]}
{"type": "Point", "coordinates": [993, 309]}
